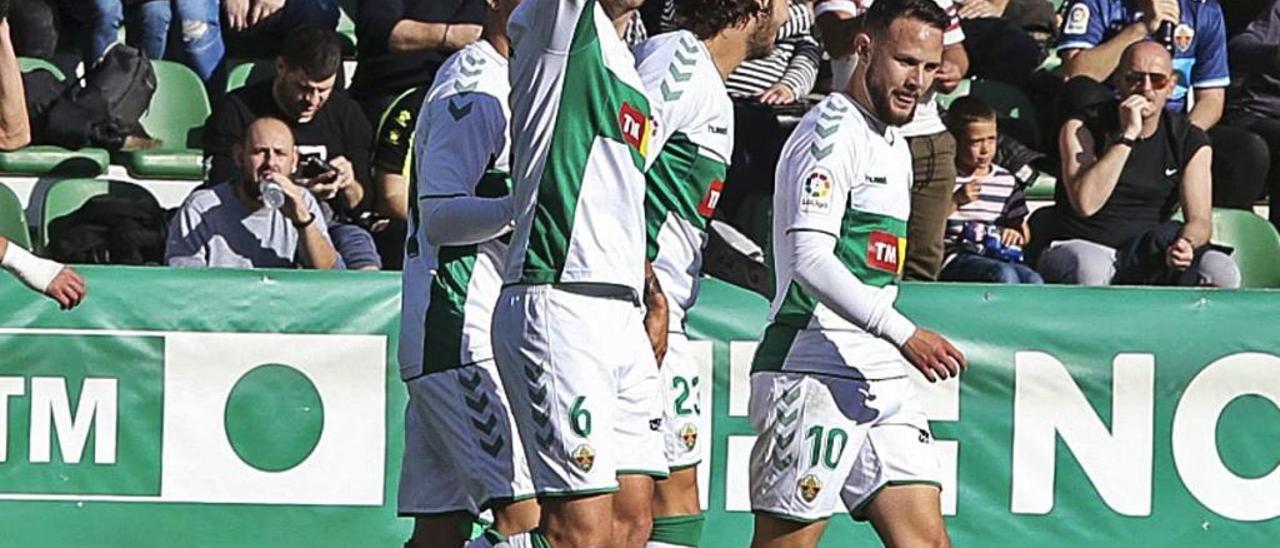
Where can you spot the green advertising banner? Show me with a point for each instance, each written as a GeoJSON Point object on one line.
{"type": "Point", "coordinates": [264, 408]}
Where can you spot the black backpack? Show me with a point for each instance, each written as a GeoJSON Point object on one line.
{"type": "Point", "coordinates": [105, 106]}
{"type": "Point", "coordinates": [111, 229]}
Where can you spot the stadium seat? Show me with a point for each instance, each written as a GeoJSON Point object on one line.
{"type": "Point", "coordinates": [1256, 244]}
{"type": "Point", "coordinates": [250, 71]}
{"type": "Point", "coordinates": [961, 90]}
{"type": "Point", "coordinates": [13, 222]}
{"type": "Point", "coordinates": [28, 64]}
{"type": "Point", "coordinates": [67, 195]}
{"type": "Point", "coordinates": [50, 160]}
{"type": "Point", "coordinates": [176, 116]}
{"type": "Point", "coordinates": [1042, 188]}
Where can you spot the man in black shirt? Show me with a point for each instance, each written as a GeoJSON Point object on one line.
{"type": "Point", "coordinates": [403, 42]}
{"type": "Point", "coordinates": [1120, 187]}
{"type": "Point", "coordinates": [328, 127]}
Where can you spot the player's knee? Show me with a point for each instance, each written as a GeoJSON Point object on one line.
{"type": "Point", "coordinates": [632, 529]}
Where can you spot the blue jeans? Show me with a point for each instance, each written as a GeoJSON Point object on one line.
{"type": "Point", "coordinates": [146, 24]}
{"type": "Point", "coordinates": [148, 28]}
{"type": "Point", "coordinates": [967, 267]}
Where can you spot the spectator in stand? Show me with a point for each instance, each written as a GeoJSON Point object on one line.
{"type": "Point", "coordinates": [788, 73]}
{"type": "Point", "coordinates": [1095, 32]}
{"type": "Point", "coordinates": [257, 28]}
{"type": "Point", "coordinates": [403, 42]}
{"type": "Point", "coordinates": [987, 200]}
{"type": "Point", "coordinates": [998, 48]}
{"type": "Point", "coordinates": [59, 282]}
{"type": "Point", "coordinates": [37, 27]}
{"type": "Point", "coordinates": [1255, 105]}
{"type": "Point", "coordinates": [148, 24]}
{"type": "Point", "coordinates": [327, 125]}
{"type": "Point", "coordinates": [230, 225]}
{"type": "Point", "coordinates": [392, 164]}
{"type": "Point", "coordinates": [933, 150]}
{"type": "Point", "coordinates": [1122, 180]}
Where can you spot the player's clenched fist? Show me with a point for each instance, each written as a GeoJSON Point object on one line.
{"type": "Point", "coordinates": [933, 355]}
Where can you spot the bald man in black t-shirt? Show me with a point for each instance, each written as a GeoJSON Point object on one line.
{"type": "Point", "coordinates": [1120, 188]}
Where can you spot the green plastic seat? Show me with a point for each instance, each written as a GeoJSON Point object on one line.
{"type": "Point", "coordinates": [250, 71]}
{"type": "Point", "coordinates": [176, 116]}
{"type": "Point", "coordinates": [13, 221]}
{"type": "Point", "coordinates": [1042, 188]}
{"type": "Point", "coordinates": [1256, 244]}
{"type": "Point", "coordinates": [67, 195]}
{"type": "Point", "coordinates": [51, 160]}
{"type": "Point", "coordinates": [962, 89]}
{"type": "Point", "coordinates": [28, 64]}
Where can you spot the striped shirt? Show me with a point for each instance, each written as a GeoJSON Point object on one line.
{"type": "Point", "coordinates": [1002, 202]}
{"type": "Point", "coordinates": [793, 61]}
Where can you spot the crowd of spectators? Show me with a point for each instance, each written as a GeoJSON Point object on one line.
{"type": "Point", "coordinates": [1159, 111]}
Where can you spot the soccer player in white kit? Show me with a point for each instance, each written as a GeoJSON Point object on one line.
{"type": "Point", "coordinates": [462, 451]}
{"type": "Point", "coordinates": [568, 329]}
{"type": "Point", "coordinates": [839, 425]}
{"type": "Point", "coordinates": [690, 151]}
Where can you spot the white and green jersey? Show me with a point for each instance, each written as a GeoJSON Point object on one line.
{"type": "Point", "coordinates": [580, 127]}
{"type": "Point", "coordinates": [846, 174]}
{"type": "Point", "coordinates": [460, 150]}
{"type": "Point", "coordinates": [689, 156]}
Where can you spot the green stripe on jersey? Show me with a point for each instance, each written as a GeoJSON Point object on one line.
{"type": "Point", "coordinates": [870, 246]}
{"type": "Point", "coordinates": [450, 288]}
{"type": "Point", "coordinates": [591, 105]}
{"type": "Point", "coordinates": [445, 318]}
{"type": "Point", "coordinates": [680, 183]}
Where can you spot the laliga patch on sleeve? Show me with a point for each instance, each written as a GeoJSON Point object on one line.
{"type": "Point", "coordinates": [1077, 20]}
{"type": "Point", "coordinates": [816, 192]}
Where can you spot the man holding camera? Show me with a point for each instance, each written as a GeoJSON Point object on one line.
{"type": "Point", "coordinates": [331, 133]}
{"type": "Point", "coordinates": [260, 219]}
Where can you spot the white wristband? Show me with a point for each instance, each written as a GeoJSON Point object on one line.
{"type": "Point", "coordinates": [897, 328]}
{"type": "Point", "coordinates": [34, 271]}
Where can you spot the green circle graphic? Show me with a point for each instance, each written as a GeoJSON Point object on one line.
{"type": "Point", "coordinates": [274, 417]}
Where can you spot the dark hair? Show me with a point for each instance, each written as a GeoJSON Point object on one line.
{"type": "Point", "coordinates": [967, 110]}
{"type": "Point", "coordinates": [706, 18]}
{"type": "Point", "coordinates": [316, 50]}
{"type": "Point", "coordinates": [884, 12]}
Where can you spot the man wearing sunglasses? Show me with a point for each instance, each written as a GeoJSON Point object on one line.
{"type": "Point", "coordinates": [1122, 181]}
{"type": "Point", "coordinates": [1095, 32]}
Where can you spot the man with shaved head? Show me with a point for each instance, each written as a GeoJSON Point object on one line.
{"type": "Point", "coordinates": [231, 226]}
{"type": "Point", "coordinates": [1121, 184]}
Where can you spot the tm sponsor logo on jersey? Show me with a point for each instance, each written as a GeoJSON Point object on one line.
{"type": "Point", "coordinates": [815, 193]}
{"type": "Point", "coordinates": [885, 251]}
{"type": "Point", "coordinates": [635, 127]}
{"type": "Point", "coordinates": [707, 206]}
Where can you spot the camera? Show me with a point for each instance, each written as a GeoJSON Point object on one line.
{"type": "Point", "coordinates": [312, 166]}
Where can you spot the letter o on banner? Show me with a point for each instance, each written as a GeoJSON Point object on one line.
{"type": "Point", "coordinates": [1195, 448]}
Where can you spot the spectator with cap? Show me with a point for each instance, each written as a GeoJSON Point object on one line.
{"type": "Point", "coordinates": [1125, 168]}
{"type": "Point", "coordinates": [1095, 32]}
{"type": "Point", "coordinates": [332, 135]}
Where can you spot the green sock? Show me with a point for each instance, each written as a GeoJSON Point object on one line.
{"type": "Point", "coordinates": [678, 530]}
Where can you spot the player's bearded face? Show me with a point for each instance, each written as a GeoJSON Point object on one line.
{"type": "Point", "coordinates": [901, 68]}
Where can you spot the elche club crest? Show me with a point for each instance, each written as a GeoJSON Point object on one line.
{"type": "Point", "coordinates": [584, 457]}
{"type": "Point", "coordinates": [689, 435]}
{"type": "Point", "coordinates": [809, 486]}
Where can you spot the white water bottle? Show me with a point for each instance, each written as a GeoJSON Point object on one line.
{"type": "Point", "coordinates": [272, 192]}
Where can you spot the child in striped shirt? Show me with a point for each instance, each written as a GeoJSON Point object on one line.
{"type": "Point", "coordinates": [987, 225]}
